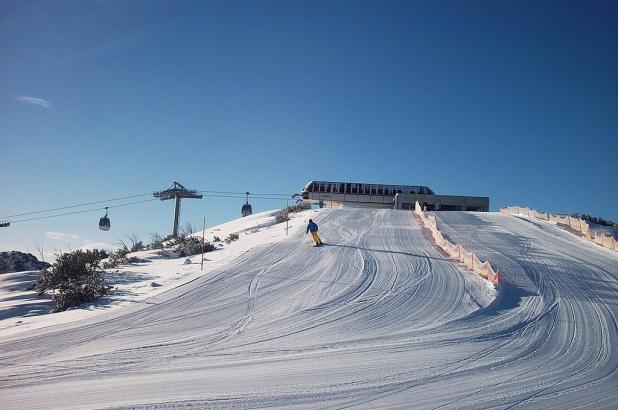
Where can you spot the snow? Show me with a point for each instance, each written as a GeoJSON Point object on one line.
{"type": "Point", "coordinates": [21, 309]}
{"type": "Point", "coordinates": [377, 318]}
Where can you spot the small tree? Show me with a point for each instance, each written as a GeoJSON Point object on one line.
{"type": "Point", "coordinates": [75, 278]}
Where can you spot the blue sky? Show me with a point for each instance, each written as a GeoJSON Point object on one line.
{"type": "Point", "coordinates": [102, 99]}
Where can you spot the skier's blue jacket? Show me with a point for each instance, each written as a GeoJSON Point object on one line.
{"type": "Point", "coordinates": [312, 227]}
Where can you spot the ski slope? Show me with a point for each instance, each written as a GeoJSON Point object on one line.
{"type": "Point", "coordinates": [559, 308]}
{"type": "Point", "coordinates": [377, 318]}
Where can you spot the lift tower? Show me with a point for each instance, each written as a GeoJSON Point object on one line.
{"type": "Point", "coordinates": [176, 192]}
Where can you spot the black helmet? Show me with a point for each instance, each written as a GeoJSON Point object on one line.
{"type": "Point", "coordinates": [310, 221]}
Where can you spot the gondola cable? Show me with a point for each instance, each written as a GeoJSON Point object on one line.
{"type": "Point", "coordinates": [81, 211]}
{"type": "Point", "coordinates": [75, 206]}
{"type": "Point", "coordinates": [256, 197]}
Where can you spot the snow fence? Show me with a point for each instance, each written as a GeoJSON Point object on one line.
{"type": "Point", "coordinates": [456, 251]}
{"type": "Point", "coordinates": [578, 225]}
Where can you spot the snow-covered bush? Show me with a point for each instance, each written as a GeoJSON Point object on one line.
{"type": "Point", "coordinates": [117, 258]}
{"type": "Point", "coordinates": [190, 245]}
{"type": "Point", "coordinates": [232, 237]}
{"type": "Point", "coordinates": [74, 278]}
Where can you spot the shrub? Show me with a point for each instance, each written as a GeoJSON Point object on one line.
{"type": "Point", "coordinates": [117, 258]}
{"type": "Point", "coordinates": [120, 253]}
{"type": "Point", "coordinates": [134, 245]}
{"type": "Point", "coordinates": [190, 245]}
{"type": "Point", "coordinates": [170, 241]}
{"type": "Point", "coordinates": [75, 278]}
{"type": "Point", "coordinates": [282, 215]}
{"type": "Point", "coordinates": [156, 242]}
{"type": "Point", "coordinates": [232, 237]}
{"type": "Point", "coordinates": [216, 239]}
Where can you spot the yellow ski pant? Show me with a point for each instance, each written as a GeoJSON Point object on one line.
{"type": "Point", "coordinates": [316, 238]}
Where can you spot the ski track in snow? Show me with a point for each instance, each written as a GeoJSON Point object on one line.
{"type": "Point", "coordinates": [376, 318]}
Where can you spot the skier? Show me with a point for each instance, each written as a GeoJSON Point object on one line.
{"type": "Point", "coordinates": [313, 228]}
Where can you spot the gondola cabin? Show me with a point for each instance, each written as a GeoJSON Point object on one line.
{"type": "Point", "coordinates": [104, 223]}
{"type": "Point", "coordinates": [246, 209]}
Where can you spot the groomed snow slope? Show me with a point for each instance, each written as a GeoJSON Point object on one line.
{"type": "Point", "coordinates": [558, 311]}
{"type": "Point", "coordinates": [377, 318]}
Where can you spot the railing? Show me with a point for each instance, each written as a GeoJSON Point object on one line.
{"type": "Point", "coordinates": [456, 251]}
{"type": "Point", "coordinates": [575, 224]}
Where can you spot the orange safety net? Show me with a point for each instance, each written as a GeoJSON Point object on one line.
{"type": "Point", "coordinates": [456, 251]}
{"type": "Point", "coordinates": [575, 224]}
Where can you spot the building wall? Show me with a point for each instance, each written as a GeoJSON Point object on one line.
{"type": "Point", "coordinates": [443, 202]}
{"type": "Point", "coordinates": [402, 201]}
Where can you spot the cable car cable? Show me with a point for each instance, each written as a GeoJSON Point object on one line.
{"type": "Point", "coordinates": [242, 194]}
{"type": "Point", "coordinates": [127, 204]}
{"type": "Point", "coordinates": [286, 195]}
{"type": "Point", "coordinates": [210, 194]}
{"type": "Point", "coordinates": [74, 206]}
{"type": "Point", "coordinates": [82, 211]}
{"type": "Point", "coordinates": [250, 197]}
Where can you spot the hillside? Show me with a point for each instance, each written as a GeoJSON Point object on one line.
{"type": "Point", "coordinates": [377, 318]}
